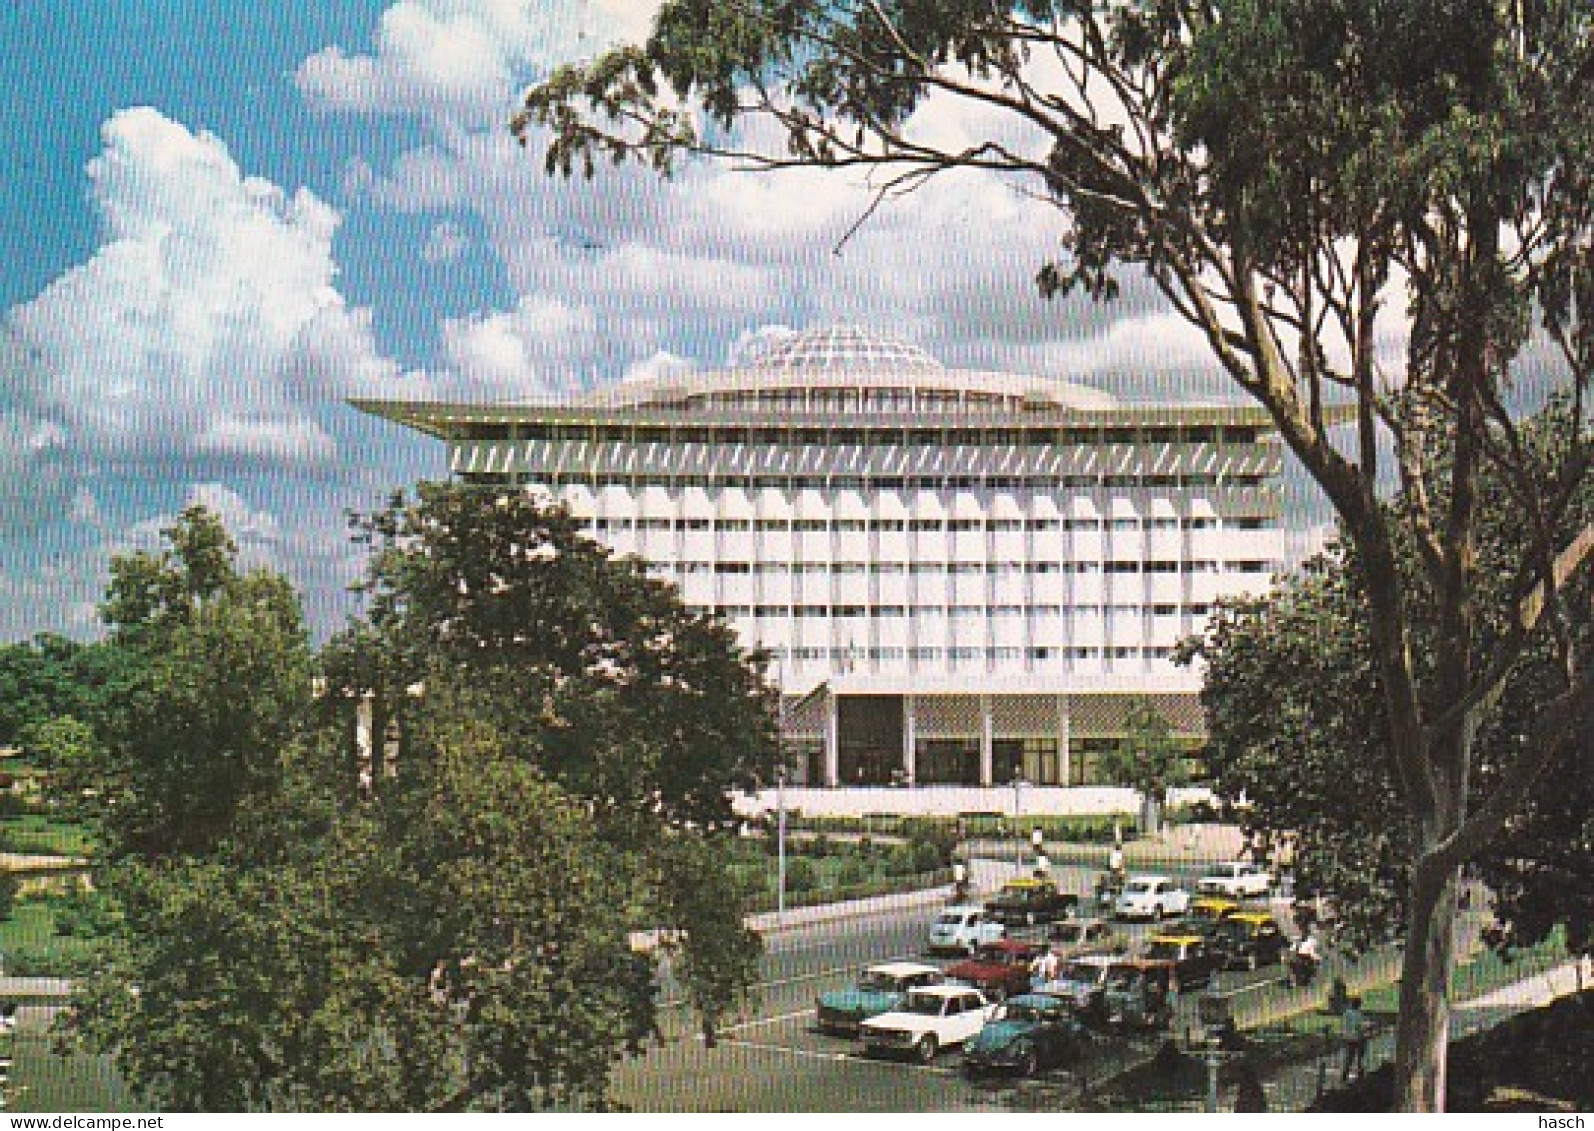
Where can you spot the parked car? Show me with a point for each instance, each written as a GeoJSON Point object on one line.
{"type": "Point", "coordinates": [998, 969]}
{"type": "Point", "coordinates": [929, 1020]}
{"type": "Point", "coordinates": [1139, 994]}
{"type": "Point", "coordinates": [1069, 937]}
{"type": "Point", "coordinates": [1026, 1034]}
{"type": "Point", "coordinates": [1151, 897]}
{"type": "Point", "coordinates": [962, 929]}
{"type": "Point", "coordinates": [1207, 912]}
{"type": "Point", "coordinates": [879, 989]}
{"type": "Point", "coordinates": [1193, 960]}
{"type": "Point", "coordinates": [1236, 879]}
{"type": "Point", "coordinates": [1030, 900]}
{"type": "Point", "coordinates": [1249, 939]}
{"type": "Point", "coordinates": [1080, 982]}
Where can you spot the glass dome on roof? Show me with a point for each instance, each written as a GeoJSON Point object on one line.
{"type": "Point", "coordinates": [831, 349]}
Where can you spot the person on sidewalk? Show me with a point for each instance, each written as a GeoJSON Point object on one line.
{"type": "Point", "coordinates": [1353, 1032]}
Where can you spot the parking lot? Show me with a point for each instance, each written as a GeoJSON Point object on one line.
{"type": "Point", "coordinates": [773, 1058]}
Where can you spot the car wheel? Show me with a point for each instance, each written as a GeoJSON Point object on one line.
{"type": "Point", "coordinates": [926, 1049]}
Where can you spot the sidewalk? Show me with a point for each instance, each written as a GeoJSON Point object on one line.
{"type": "Point", "coordinates": [984, 876]}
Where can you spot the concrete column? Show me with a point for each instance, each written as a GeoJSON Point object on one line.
{"type": "Point", "coordinates": [1063, 739]}
{"type": "Point", "coordinates": [986, 740]}
{"type": "Point", "coordinates": [910, 741]}
{"type": "Point", "coordinates": [832, 744]}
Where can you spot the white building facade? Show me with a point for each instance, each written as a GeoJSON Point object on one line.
{"type": "Point", "coordinates": [962, 578]}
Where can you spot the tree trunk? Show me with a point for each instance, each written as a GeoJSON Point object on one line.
{"type": "Point", "coordinates": [1422, 1035]}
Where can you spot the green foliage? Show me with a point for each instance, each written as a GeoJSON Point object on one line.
{"type": "Point", "coordinates": [852, 873]}
{"type": "Point", "coordinates": [10, 887]}
{"type": "Point", "coordinates": [52, 677]}
{"type": "Point", "coordinates": [801, 875]}
{"type": "Point", "coordinates": [939, 839]}
{"type": "Point", "coordinates": [83, 913]}
{"type": "Point", "coordinates": [1309, 753]}
{"type": "Point", "coordinates": [219, 682]}
{"type": "Point", "coordinates": [1148, 759]}
{"type": "Point", "coordinates": [623, 694]}
{"type": "Point", "coordinates": [438, 921]}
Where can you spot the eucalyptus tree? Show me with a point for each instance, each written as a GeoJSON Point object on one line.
{"type": "Point", "coordinates": [1295, 178]}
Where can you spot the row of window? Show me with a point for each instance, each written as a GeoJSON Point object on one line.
{"type": "Point", "coordinates": [958, 569]}
{"type": "Point", "coordinates": [721, 436]}
{"type": "Point", "coordinates": [845, 657]}
{"type": "Point", "coordinates": [923, 612]}
{"type": "Point", "coordinates": [891, 482]}
{"type": "Point", "coordinates": [859, 525]}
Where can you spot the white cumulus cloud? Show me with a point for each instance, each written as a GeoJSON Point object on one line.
{"type": "Point", "coordinates": [463, 58]}
{"type": "Point", "coordinates": [196, 327]}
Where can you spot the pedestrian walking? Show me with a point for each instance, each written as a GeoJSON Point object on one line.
{"type": "Point", "coordinates": [1353, 1032]}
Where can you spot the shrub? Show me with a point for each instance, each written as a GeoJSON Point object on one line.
{"type": "Point", "coordinates": [10, 886]}
{"type": "Point", "coordinates": [801, 875]}
{"type": "Point", "coordinates": [852, 873]}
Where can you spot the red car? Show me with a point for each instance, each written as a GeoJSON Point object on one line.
{"type": "Point", "coordinates": [999, 968]}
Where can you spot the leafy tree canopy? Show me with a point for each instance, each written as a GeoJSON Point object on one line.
{"type": "Point", "coordinates": [218, 681]}
{"type": "Point", "coordinates": [429, 906]}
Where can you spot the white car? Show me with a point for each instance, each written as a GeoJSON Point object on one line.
{"type": "Point", "coordinates": [963, 929]}
{"type": "Point", "coordinates": [1236, 879]}
{"type": "Point", "coordinates": [931, 1019]}
{"type": "Point", "coordinates": [1151, 897]}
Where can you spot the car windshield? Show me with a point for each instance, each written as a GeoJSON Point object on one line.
{"type": "Point", "coordinates": [1069, 933]}
{"type": "Point", "coordinates": [949, 920]}
{"type": "Point", "coordinates": [1235, 929]}
{"type": "Point", "coordinates": [1020, 1011]}
{"type": "Point", "coordinates": [928, 1005]}
{"type": "Point", "coordinates": [1160, 948]}
{"type": "Point", "coordinates": [874, 981]}
{"type": "Point", "coordinates": [1079, 972]}
{"type": "Point", "coordinates": [1138, 887]}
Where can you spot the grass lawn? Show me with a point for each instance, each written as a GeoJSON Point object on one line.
{"type": "Point", "coordinates": [30, 931]}
{"type": "Point", "coordinates": [48, 1081]}
{"type": "Point", "coordinates": [34, 834]}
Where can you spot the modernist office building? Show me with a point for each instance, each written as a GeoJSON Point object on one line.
{"type": "Point", "coordinates": [963, 577]}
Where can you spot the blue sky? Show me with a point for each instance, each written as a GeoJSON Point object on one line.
{"type": "Point", "coordinates": [225, 218]}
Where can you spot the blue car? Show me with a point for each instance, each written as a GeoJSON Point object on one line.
{"type": "Point", "coordinates": [1029, 1033]}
